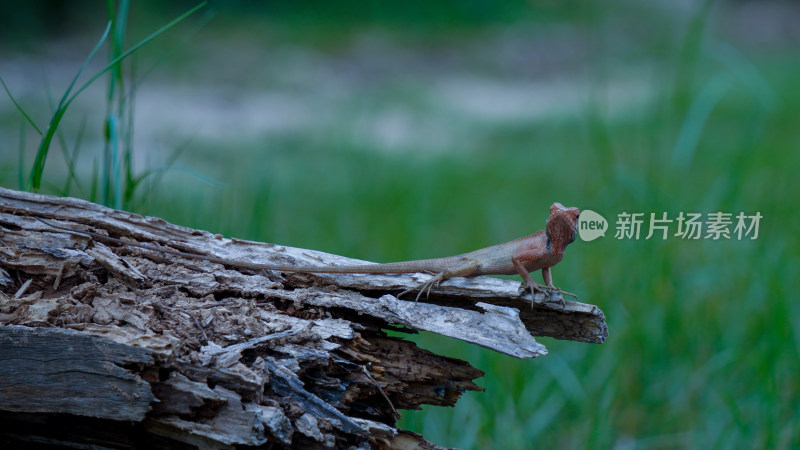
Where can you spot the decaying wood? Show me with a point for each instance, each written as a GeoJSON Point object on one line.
{"type": "Point", "coordinates": [203, 354]}
{"type": "Point", "coordinates": [92, 383]}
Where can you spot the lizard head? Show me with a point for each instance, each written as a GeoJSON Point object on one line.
{"type": "Point", "coordinates": [562, 225]}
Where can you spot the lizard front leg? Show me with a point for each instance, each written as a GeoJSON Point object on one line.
{"type": "Point", "coordinates": [526, 276]}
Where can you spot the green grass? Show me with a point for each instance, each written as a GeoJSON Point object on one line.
{"type": "Point", "coordinates": [704, 344]}
{"type": "Point", "coordinates": [117, 152]}
{"type": "Point", "coordinates": [704, 336]}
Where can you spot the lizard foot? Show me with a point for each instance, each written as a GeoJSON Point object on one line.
{"type": "Point", "coordinates": [553, 288]}
{"type": "Point", "coordinates": [547, 290]}
{"type": "Point", "coordinates": [533, 288]}
{"type": "Point", "coordinates": [561, 300]}
{"type": "Point", "coordinates": [425, 287]}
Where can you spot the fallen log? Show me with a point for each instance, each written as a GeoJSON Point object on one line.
{"type": "Point", "coordinates": [123, 342]}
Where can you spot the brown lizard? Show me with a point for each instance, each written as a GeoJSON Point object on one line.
{"type": "Point", "coordinates": [541, 250]}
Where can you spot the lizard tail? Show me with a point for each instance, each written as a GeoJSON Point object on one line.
{"type": "Point", "coordinates": [396, 267]}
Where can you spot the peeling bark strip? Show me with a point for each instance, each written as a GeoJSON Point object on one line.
{"type": "Point", "coordinates": [215, 354]}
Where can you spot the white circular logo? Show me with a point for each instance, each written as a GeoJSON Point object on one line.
{"type": "Point", "coordinates": [591, 225]}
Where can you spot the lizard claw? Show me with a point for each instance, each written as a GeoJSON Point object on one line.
{"type": "Point", "coordinates": [547, 291]}
{"type": "Point", "coordinates": [533, 288]}
{"type": "Point", "coordinates": [553, 288]}
{"type": "Point", "coordinates": [561, 297]}
{"type": "Point", "coordinates": [424, 288]}
{"type": "Point", "coordinates": [420, 288]}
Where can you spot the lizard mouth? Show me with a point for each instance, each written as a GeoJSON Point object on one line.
{"type": "Point", "coordinates": [574, 225]}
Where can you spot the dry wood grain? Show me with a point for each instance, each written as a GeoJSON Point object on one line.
{"type": "Point", "coordinates": [219, 354]}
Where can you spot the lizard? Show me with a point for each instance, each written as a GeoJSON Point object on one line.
{"type": "Point", "coordinates": [539, 251]}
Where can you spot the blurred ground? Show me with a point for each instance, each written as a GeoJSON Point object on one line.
{"type": "Point", "coordinates": [397, 90]}
{"type": "Point", "coordinates": [255, 83]}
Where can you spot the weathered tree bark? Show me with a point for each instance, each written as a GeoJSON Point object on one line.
{"type": "Point", "coordinates": [120, 346]}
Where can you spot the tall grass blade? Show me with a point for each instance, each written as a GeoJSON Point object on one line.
{"type": "Point", "coordinates": [137, 47]}
{"type": "Point", "coordinates": [35, 179]}
{"type": "Point", "coordinates": [114, 162]}
{"type": "Point", "coordinates": [72, 157]}
{"type": "Point", "coordinates": [114, 112]}
{"type": "Point", "coordinates": [19, 108]}
{"type": "Point", "coordinates": [696, 118]}
{"type": "Point", "coordinates": [93, 185]}
{"type": "Point", "coordinates": [746, 72]}
{"type": "Point", "coordinates": [21, 168]}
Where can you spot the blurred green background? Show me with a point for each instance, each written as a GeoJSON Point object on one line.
{"type": "Point", "coordinates": [403, 130]}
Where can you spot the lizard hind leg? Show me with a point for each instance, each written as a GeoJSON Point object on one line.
{"type": "Point", "coordinates": [426, 286]}
{"type": "Point", "coordinates": [464, 268]}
